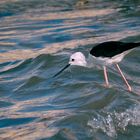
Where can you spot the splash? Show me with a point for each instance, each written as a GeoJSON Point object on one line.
{"type": "Point", "coordinates": [114, 122]}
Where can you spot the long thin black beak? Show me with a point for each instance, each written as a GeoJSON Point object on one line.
{"type": "Point", "coordinates": [61, 70]}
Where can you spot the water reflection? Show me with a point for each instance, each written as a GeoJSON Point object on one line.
{"type": "Point", "coordinates": [56, 47]}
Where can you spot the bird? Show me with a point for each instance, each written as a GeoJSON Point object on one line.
{"type": "Point", "coordinates": [104, 54]}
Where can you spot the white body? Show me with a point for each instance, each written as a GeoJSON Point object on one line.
{"type": "Point", "coordinates": [79, 59]}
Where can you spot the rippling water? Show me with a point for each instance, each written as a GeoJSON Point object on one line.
{"type": "Point", "coordinates": [36, 39]}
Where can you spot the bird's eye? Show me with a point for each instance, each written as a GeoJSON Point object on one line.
{"type": "Point", "coordinates": [72, 59]}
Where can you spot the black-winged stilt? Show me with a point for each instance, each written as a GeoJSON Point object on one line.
{"type": "Point", "coordinates": [107, 53]}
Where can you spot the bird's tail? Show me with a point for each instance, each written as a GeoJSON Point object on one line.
{"type": "Point", "coordinates": [138, 44]}
{"type": "Point", "coordinates": [134, 45]}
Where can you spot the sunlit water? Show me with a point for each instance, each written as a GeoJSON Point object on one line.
{"type": "Point", "coordinates": [36, 39]}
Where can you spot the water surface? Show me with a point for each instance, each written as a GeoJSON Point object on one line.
{"type": "Point", "coordinates": [36, 40]}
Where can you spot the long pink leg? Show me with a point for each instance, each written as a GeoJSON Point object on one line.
{"type": "Point", "coordinates": [106, 76]}
{"type": "Point", "coordinates": [126, 82]}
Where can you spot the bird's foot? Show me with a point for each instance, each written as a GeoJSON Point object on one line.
{"type": "Point", "coordinates": [129, 89]}
{"type": "Point", "coordinates": [107, 85]}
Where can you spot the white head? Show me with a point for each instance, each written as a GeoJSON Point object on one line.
{"type": "Point", "coordinates": [78, 58]}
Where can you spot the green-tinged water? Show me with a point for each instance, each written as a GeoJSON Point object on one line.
{"type": "Point", "coordinates": [36, 39]}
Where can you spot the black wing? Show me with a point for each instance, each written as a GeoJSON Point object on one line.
{"type": "Point", "coordinates": [112, 48]}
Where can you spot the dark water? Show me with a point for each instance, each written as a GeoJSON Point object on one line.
{"type": "Point", "coordinates": [36, 39]}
